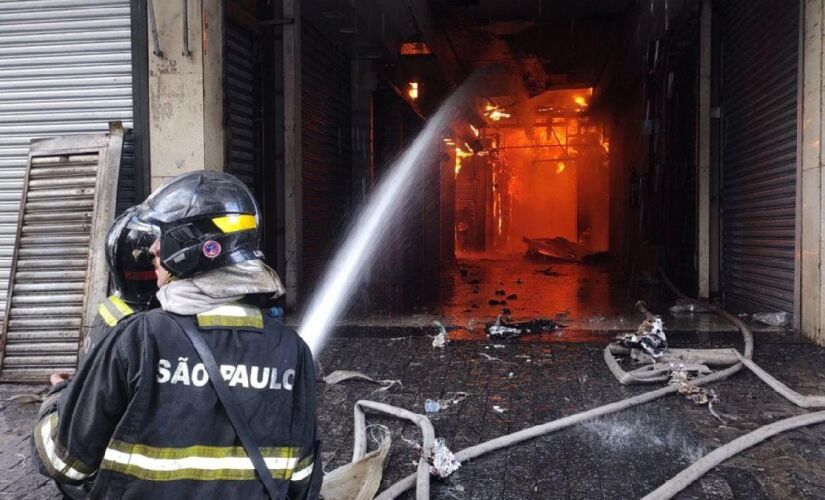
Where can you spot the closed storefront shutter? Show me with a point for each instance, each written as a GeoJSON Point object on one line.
{"type": "Point", "coordinates": [327, 149]}
{"type": "Point", "coordinates": [760, 43]}
{"type": "Point", "coordinates": [65, 68]}
{"type": "Point", "coordinates": [242, 102]}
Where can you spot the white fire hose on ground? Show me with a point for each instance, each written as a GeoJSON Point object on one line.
{"type": "Point", "coordinates": [673, 486]}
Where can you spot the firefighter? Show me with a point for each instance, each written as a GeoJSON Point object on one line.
{"type": "Point", "coordinates": [133, 282]}
{"type": "Point", "coordinates": [132, 276]}
{"type": "Point", "coordinates": [207, 396]}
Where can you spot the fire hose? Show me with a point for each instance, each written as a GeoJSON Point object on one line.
{"type": "Point", "coordinates": [699, 468]}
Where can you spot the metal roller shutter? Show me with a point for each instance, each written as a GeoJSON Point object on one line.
{"type": "Point", "coordinates": [326, 136]}
{"type": "Point", "coordinates": [58, 263]}
{"type": "Point", "coordinates": [65, 68]}
{"type": "Point", "coordinates": [760, 42]}
{"type": "Point", "coordinates": [126, 191]}
{"type": "Point", "coordinates": [242, 102]}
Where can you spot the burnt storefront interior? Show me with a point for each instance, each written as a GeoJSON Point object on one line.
{"type": "Point", "coordinates": [627, 136]}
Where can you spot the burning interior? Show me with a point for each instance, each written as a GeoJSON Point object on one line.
{"type": "Point", "coordinates": [578, 164]}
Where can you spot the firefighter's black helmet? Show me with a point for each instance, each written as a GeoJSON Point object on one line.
{"type": "Point", "coordinates": [129, 260]}
{"type": "Point", "coordinates": [205, 220]}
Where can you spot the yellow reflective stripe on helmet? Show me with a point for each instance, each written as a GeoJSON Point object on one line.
{"type": "Point", "coordinates": [234, 223]}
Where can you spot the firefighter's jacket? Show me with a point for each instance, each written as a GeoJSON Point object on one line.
{"type": "Point", "coordinates": [110, 312]}
{"type": "Point", "coordinates": [140, 412]}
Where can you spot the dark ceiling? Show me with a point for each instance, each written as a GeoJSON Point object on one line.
{"type": "Point", "coordinates": [554, 44]}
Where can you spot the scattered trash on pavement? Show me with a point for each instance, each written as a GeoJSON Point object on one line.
{"type": "Point", "coordinates": [450, 399]}
{"type": "Point", "coordinates": [502, 329]}
{"type": "Point", "coordinates": [432, 406]}
{"type": "Point", "coordinates": [650, 336]}
{"type": "Point", "coordinates": [699, 395]}
{"type": "Point", "coordinates": [361, 479]}
{"type": "Point", "coordinates": [499, 409]}
{"type": "Point", "coordinates": [489, 358]}
{"type": "Point", "coordinates": [339, 376]}
{"type": "Point", "coordinates": [25, 398]}
{"type": "Point", "coordinates": [442, 338]}
{"type": "Point", "coordinates": [443, 462]}
{"type": "Point", "coordinates": [548, 271]}
{"type": "Point", "coordinates": [689, 306]}
{"type": "Point", "coordinates": [773, 318]}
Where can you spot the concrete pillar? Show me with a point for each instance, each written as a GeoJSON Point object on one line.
{"type": "Point", "coordinates": [811, 193]}
{"type": "Point", "coordinates": [703, 247]}
{"type": "Point", "coordinates": [293, 216]}
{"type": "Point", "coordinates": [186, 91]}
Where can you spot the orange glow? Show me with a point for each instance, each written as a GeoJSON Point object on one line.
{"type": "Point", "coordinates": [495, 113]}
{"type": "Point", "coordinates": [541, 176]}
{"type": "Point", "coordinates": [415, 49]}
{"type": "Point", "coordinates": [412, 91]}
{"type": "Point", "coordinates": [459, 154]}
{"type": "Point", "coordinates": [475, 130]}
{"type": "Point", "coordinates": [449, 141]}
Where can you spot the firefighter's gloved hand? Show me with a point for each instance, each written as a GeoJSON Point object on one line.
{"type": "Point", "coordinates": [59, 377]}
{"type": "Point", "coordinates": [59, 382]}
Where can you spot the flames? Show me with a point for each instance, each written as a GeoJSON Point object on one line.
{"type": "Point", "coordinates": [459, 155]}
{"type": "Point", "coordinates": [495, 113]}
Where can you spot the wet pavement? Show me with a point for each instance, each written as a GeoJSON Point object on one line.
{"type": "Point", "coordinates": [622, 456]}
{"type": "Point", "coordinates": [590, 299]}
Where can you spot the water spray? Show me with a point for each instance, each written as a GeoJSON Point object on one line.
{"type": "Point", "coordinates": [367, 233]}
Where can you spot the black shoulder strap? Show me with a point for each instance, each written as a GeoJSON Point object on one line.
{"type": "Point", "coordinates": [231, 406]}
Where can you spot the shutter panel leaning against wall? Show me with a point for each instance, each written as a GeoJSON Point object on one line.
{"type": "Point", "coordinates": [58, 263]}
{"type": "Point", "coordinates": [65, 68]}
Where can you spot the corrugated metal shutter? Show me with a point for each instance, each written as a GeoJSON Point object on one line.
{"type": "Point", "coordinates": [241, 84]}
{"type": "Point", "coordinates": [65, 68]}
{"type": "Point", "coordinates": [126, 192]}
{"type": "Point", "coordinates": [58, 263]}
{"type": "Point", "coordinates": [326, 136]}
{"type": "Point", "coordinates": [759, 97]}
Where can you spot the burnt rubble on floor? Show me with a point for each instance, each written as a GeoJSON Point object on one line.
{"type": "Point", "coordinates": [689, 306]}
{"type": "Point", "coordinates": [502, 329]}
{"type": "Point", "coordinates": [442, 338]}
{"type": "Point", "coordinates": [650, 336]}
{"type": "Point", "coordinates": [548, 271]}
{"type": "Point", "coordinates": [780, 319]}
